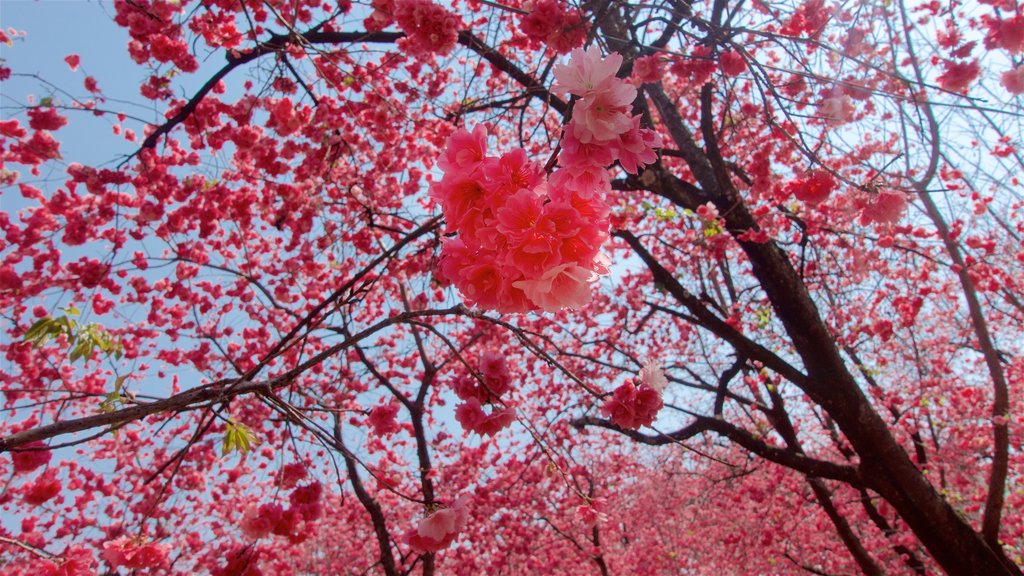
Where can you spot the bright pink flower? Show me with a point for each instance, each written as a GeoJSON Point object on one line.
{"type": "Point", "coordinates": [47, 118]}
{"type": "Point", "coordinates": [382, 419]}
{"type": "Point", "coordinates": [510, 173]}
{"type": "Point", "coordinates": [72, 61]}
{"type": "Point", "coordinates": [1013, 80]}
{"type": "Point", "coordinates": [591, 513]}
{"type": "Point", "coordinates": [291, 474]}
{"type": "Point", "coordinates": [135, 553]}
{"type": "Point", "coordinates": [564, 286]}
{"type": "Point", "coordinates": [44, 489]}
{"type": "Point", "coordinates": [633, 405]}
{"type": "Point", "coordinates": [958, 76]}
{"type": "Point", "coordinates": [885, 207]}
{"type": "Point", "coordinates": [581, 181]}
{"type": "Point", "coordinates": [1007, 34]}
{"type": "Point", "coordinates": [75, 561]}
{"type": "Point", "coordinates": [32, 456]}
{"type": "Point", "coordinates": [648, 69]}
{"type": "Point", "coordinates": [429, 28]}
{"type": "Point", "coordinates": [464, 151]}
{"type": "Point", "coordinates": [554, 24]}
{"type": "Point", "coordinates": [471, 415]}
{"type": "Point", "coordinates": [636, 147]}
{"type": "Point", "coordinates": [732, 63]}
{"type": "Point", "coordinates": [461, 198]}
{"type": "Point", "coordinates": [259, 521]}
{"type": "Point", "coordinates": [518, 218]}
{"type": "Point", "coordinates": [586, 72]}
{"type": "Point", "coordinates": [814, 189]}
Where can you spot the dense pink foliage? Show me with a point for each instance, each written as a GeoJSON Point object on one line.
{"type": "Point", "coordinates": [523, 287]}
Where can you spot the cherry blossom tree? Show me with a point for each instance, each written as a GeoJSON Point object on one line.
{"type": "Point", "coordinates": [522, 287]}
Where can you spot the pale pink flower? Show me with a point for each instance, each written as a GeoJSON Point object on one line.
{"type": "Point", "coordinates": [604, 114]}
{"type": "Point", "coordinates": [592, 512]}
{"type": "Point", "coordinates": [564, 286]}
{"type": "Point", "coordinates": [579, 180]}
{"type": "Point", "coordinates": [438, 530]}
{"type": "Point", "coordinates": [586, 72]}
{"type": "Point", "coordinates": [636, 147]}
{"type": "Point", "coordinates": [652, 375]}
{"type": "Point", "coordinates": [837, 109]}
{"type": "Point", "coordinates": [576, 154]}
{"type": "Point", "coordinates": [1013, 80]}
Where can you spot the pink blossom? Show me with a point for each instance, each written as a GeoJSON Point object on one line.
{"type": "Point", "coordinates": [471, 415]}
{"type": "Point", "coordinates": [652, 375]}
{"type": "Point", "coordinates": [885, 207]}
{"type": "Point", "coordinates": [556, 25]}
{"type": "Point", "coordinates": [510, 173]}
{"type": "Point", "coordinates": [464, 151]}
{"type": "Point", "coordinates": [429, 28]}
{"type": "Point", "coordinates": [813, 189]}
{"type": "Point", "coordinates": [958, 76]}
{"type": "Point", "coordinates": [1013, 80]}
{"type": "Point", "coordinates": [72, 61]}
{"type": "Point", "coordinates": [438, 530]}
{"type": "Point", "coordinates": [591, 513]}
{"type": "Point", "coordinates": [382, 419]}
{"type": "Point", "coordinates": [564, 286]}
{"type": "Point", "coordinates": [259, 521]}
{"type": "Point", "coordinates": [586, 72]}
{"type": "Point", "coordinates": [604, 114]}
{"type": "Point", "coordinates": [519, 216]}
{"type": "Point", "coordinates": [44, 489]}
{"type": "Point", "coordinates": [291, 474]}
{"type": "Point", "coordinates": [636, 147]}
{"type": "Point", "coordinates": [32, 456]}
{"type": "Point", "coordinates": [836, 109]}
{"type": "Point", "coordinates": [135, 553]}
{"type": "Point", "coordinates": [633, 405]}
{"type": "Point", "coordinates": [732, 63]}
{"type": "Point", "coordinates": [648, 69]}
{"type": "Point", "coordinates": [584, 181]}
{"type": "Point", "coordinates": [576, 154]}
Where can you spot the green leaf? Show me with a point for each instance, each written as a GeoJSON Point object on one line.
{"type": "Point", "coordinates": [238, 438]}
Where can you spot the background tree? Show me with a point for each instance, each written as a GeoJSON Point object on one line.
{"type": "Point", "coordinates": [340, 311]}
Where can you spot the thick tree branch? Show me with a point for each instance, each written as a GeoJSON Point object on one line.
{"type": "Point", "coordinates": [701, 424]}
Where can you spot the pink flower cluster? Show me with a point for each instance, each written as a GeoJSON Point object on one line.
{"type": "Point", "coordinates": [637, 402]}
{"type": "Point", "coordinates": [135, 554]}
{"type": "Point", "coordinates": [494, 380]}
{"type": "Point", "coordinates": [438, 530]}
{"type": "Point", "coordinates": [814, 188]}
{"type": "Point", "coordinates": [525, 242]}
{"type": "Point", "coordinates": [272, 518]}
{"type": "Point", "coordinates": [33, 456]}
{"type": "Point", "coordinates": [554, 24]}
{"type": "Point", "coordinates": [429, 28]}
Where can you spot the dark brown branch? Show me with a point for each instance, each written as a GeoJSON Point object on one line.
{"type": "Point", "coordinates": [701, 424]}
{"type": "Point", "coordinates": [220, 391]}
